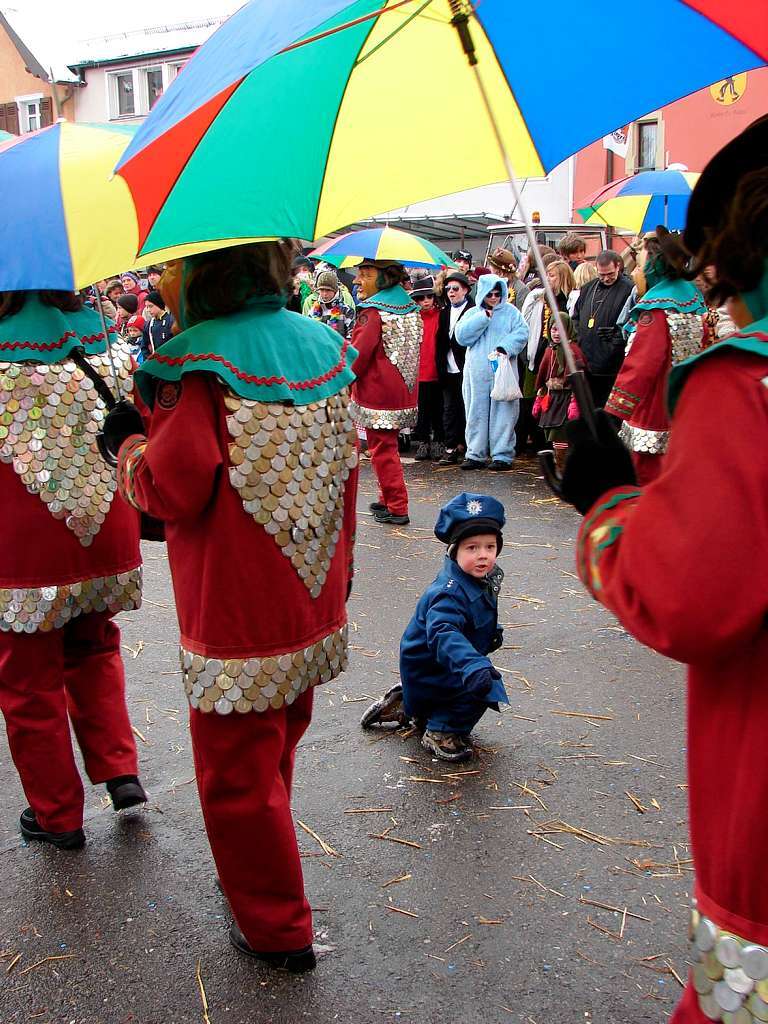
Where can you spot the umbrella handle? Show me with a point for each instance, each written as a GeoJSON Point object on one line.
{"type": "Point", "coordinates": [460, 21]}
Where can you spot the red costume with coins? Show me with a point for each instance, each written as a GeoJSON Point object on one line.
{"type": "Point", "coordinates": [69, 560]}
{"type": "Point", "coordinates": [387, 337]}
{"type": "Point", "coordinates": [251, 462]}
{"type": "Point", "coordinates": [681, 563]}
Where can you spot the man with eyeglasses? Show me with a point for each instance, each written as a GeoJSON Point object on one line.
{"type": "Point", "coordinates": [595, 316]}
{"type": "Point", "coordinates": [450, 356]}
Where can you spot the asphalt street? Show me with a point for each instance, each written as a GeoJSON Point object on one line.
{"type": "Point", "coordinates": [546, 883]}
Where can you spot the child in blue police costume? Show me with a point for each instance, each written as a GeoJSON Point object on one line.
{"type": "Point", "coordinates": [448, 682]}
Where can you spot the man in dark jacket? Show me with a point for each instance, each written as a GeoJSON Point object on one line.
{"type": "Point", "coordinates": [450, 364]}
{"type": "Point", "coordinates": [595, 314]}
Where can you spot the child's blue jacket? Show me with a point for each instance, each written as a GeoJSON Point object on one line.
{"type": "Point", "coordinates": [448, 638]}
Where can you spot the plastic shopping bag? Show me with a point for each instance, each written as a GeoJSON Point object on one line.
{"type": "Point", "coordinates": [505, 386]}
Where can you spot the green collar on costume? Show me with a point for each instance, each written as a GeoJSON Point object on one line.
{"type": "Point", "coordinates": [261, 352]}
{"type": "Point", "coordinates": [390, 300]}
{"type": "Point", "coordinates": [43, 334]}
{"type": "Point", "coordinates": [674, 296]}
{"type": "Point", "coordinates": [753, 338]}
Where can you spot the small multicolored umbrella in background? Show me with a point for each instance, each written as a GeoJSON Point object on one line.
{"type": "Point", "coordinates": [640, 202]}
{"type": "Point", "coordinates": [381, 244]}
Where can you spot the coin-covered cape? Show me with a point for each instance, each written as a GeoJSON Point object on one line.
{"type": "Point", "coordinates": [683, 564]}
{"type": "Point", "coordinates": [68, 544]}
{"type": "Point", "coordinates": [387, 336]}
{"type": "Point", "coordinates": [251, 461]}
{"type": "Point", "coordinates": [665, 327]}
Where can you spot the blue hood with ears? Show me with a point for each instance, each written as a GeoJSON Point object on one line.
{"type": "Point", "coordinates": [486, 283]}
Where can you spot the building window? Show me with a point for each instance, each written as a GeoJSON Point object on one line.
{"type": "Point", "coordinates": [647, 139]}
{"type": "Point", "coordinates": [134, 91]}
{"type": "Point", "coordinates": [123, 94]}
{"type": "Point", "coordinates": [30, 113]}
{"type": "Point", "coordinates": [153, 83]}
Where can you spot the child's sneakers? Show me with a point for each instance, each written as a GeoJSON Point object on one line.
{"type": "Point", "coordinates": [447, 746]}
{"type": "Point", "coordinates": [387, 712]}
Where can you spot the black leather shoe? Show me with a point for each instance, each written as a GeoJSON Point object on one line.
{"type": "Point", "coordinates": [472, 464]}
{"type": "Point", "coordinates": [389, 517]}
{"type": "Point", "coordinates": [500, 467]}
{"type": "Point", "coordinates": [297, 961]}
{"type": "Point", "coordinates": [377, 506]}
{"type": "Point", "coordinates": [126, 791]}
{"type": "Point", "coordinates": [30, 829]}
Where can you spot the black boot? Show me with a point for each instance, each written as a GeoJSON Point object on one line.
{"type": "Point", "coordinates": [126, 791]}
{"type": "Point", "coordinates": [297, 961]}
{"type": "Point", "coordinates": [31, 829]}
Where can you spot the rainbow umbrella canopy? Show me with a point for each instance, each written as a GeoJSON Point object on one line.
{"type": "Point", "coordinates": [295, 118]}
{"type": "Point", "coordinates": [381, 244]}
{"type": "Point", "coordinates": [640, 202]}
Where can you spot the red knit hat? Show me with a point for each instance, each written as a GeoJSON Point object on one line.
{"type": "Point", "coordinates": [137, 322]}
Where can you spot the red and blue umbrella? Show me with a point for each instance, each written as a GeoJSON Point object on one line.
{"type": "Point", "coordinates": [640, 202]}
{"type": "Point", "coordinates": [295, 118]}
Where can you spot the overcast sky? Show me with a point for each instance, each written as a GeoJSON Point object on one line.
{"type": "Point", "coordinates": [60, 25]}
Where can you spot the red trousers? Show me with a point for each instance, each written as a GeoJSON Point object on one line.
{"type": "Point", "coordinates": [244, 768]}
{"type": "Point", "coordinates": [385, 459]}
{"type": "Point", "coordinates": [687, 1010]}
{"type": "Point", "coordinates": [47, 679]}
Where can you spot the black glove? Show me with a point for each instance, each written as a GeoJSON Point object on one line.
{"type": "Point", "coordinates": [594, 466]}
{"type": "Point", "coordinates": [497, 641]}
{"type": "Point", "coordinates": [122, 421]}
{"type": "Point", "coordinates": [480, 682]}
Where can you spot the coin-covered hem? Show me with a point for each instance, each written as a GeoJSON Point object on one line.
{"type": "Point", "coordinates": [41, 609]}
{"type": "Point", "coordinates": [383, 419]}
{"type": "Point", "coordinates": [260, 684]}
{"type": "Point", "coordinates": [731, 976]}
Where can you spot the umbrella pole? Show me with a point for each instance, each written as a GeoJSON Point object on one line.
{"type": "Point", "coordinates": [576, 377]}
{"type": "Point", "coordinates": [109, 347]}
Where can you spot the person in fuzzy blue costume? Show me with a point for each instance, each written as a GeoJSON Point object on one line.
{"type": "Point", "coordinates": [494, 325]}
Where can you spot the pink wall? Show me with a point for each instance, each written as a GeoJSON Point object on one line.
{"type": "Point", "coordinates": [695, 128]}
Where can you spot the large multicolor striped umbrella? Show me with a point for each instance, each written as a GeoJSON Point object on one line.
{"type": "Point", "coordinates": [297, 118]}
{"type": "Point", "coordinates": [381, 244]}
{"type": "Point", "coordinates": [66, 221]}
{"type": "Point", "coordinates": [640, 202]}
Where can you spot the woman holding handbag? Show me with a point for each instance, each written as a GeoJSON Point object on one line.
{"type": "Point", "coordinates": [493, 326]}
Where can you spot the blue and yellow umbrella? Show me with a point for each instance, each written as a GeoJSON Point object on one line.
{"type": "Point", "coordinates": [381, 244]}
{"type": "Point", "coordinates": [67, 221]}
{"type": "Point", "coordinates": [640, 202]}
